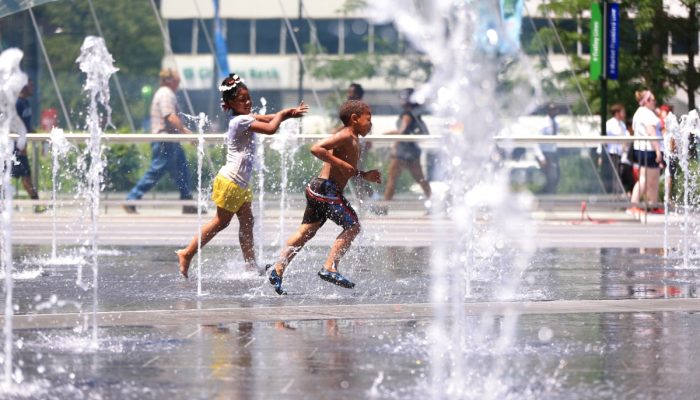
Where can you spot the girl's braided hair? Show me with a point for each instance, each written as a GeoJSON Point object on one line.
{"type": "Point", "coordinates": [229, 89]}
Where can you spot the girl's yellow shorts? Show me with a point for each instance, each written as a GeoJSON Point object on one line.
{"type": "Point", "coordinates": [228, 195]}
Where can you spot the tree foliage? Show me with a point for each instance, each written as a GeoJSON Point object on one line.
{"type": "Point", "coordinates": [132, 36]}
{"type": "Point", "coordinates": [389, 61]}
{"type": "Point", "coordinates": [643, 42]}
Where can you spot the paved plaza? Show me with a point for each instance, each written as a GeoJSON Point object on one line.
{"type": "Point", "coordinates": [602, 313]}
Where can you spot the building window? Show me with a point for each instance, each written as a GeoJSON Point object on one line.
{"type": "Point", "coordinates": [238, 36]}
{"type": "Point", "coordinates": [356, 35]}
{"type": "Point", "coordinates": [180, 35]}
{"type": "Point", "coordinates": [301, 32]}
{"type": "Point", "coordinates": [202, 46]}
{"type": "Point", "coordinates": [532, 43]}
{"type": "Point", "coordinates": [629, 37]}
{"type": "Point", "coordinates": [585, 37]}
{"type": "Point", "coordinates": [328, 34]}
{"type": "Point", "coordinates": [681, 44]}
{"type": "Point", "coordinates": [564, 26]}
{"type": "Point", "coordinates": [386, 39]}
{"type": "Point", "coordinates": [267, 36]}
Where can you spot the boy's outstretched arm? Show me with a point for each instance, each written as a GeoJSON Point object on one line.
{"type": "Point", "coordinates": [323, 150]}
{"type": "Point", "coordinates": [269, 127]}
{"type": "Point", "coordinates": [371, 176]}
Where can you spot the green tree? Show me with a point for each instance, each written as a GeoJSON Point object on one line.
{"type": "Point", "coordinates": [132, 36]}
{"type": "Point", "coordinates": [385, 62]}
{"type": "Point", "coordinates": [643, 42]}
{"type": "Point", "coordinates": [684, 34]}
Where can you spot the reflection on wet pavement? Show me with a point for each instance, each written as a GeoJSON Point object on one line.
{"type": "Point", "coordinates": [645, 355]}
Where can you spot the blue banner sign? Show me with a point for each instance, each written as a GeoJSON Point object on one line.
{"type": "Point", "coordinates": [613, 41]}
{"type": "Point", "coordinates": [220, 49]}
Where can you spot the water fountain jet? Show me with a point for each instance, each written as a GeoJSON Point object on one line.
{"type": "Point", "coordinates": [97, 63]}
{"type": "Point", "coordinates": [470, 53]}
{"type": "Point", "coordinates": [12, 80]}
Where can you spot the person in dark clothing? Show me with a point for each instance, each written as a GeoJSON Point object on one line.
{"type": "Point", "coordinates": [406, 155]}
{"type": "Point", "coordinates": [21, 168]}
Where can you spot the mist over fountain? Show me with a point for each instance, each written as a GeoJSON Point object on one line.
{"type": "Point", "coordinates": [472, 78]}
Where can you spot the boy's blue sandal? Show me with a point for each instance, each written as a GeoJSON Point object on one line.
{"type": "Point", "coordinates": [335, 278]}
{"type": "Point", "coordinates": [276, 281]}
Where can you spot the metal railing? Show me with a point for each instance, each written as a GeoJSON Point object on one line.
{"type": "Point", "coordinates": [426, 141]}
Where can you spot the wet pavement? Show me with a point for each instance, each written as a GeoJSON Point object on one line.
{"type": "Point", "coordinates": [159, 339]}
{"type": "Point", "coordinates": [137, 278]}
{"type": "Point", "coordinates": [611, 355]}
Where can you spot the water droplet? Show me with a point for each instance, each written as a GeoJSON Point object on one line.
{"type": "Point", "coordinates": [492, 37]}
{"type": "Point", "coordinates": [344, 384]}
{"type": "Point", "coordinates": [545, 334]}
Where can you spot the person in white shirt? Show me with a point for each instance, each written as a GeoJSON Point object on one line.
{"type": "Point", "coordinates": [646, 153]}
{"type": "Point", "coordinates": [610, 165]}
{"type": "Point", "coordinates": [165, 156]}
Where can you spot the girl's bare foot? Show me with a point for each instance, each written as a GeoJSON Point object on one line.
{"type": "Point", "coordinates": [184, 261]}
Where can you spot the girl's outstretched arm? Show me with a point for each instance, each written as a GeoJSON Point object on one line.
{"type": "Point", "coordinates": [264, 117]}
{"type": "Point", "coordinates": [297, 112]}
{"type": "Point", "coordinates": [269, 127]}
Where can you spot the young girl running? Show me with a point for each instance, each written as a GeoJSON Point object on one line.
{"type": "Point", "coordinates": [231, 192]}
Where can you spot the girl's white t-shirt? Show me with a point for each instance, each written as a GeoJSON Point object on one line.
{"type": "Point", "coordinates": [643, 118]}
{"type": "Point", "coordinates": [240, 150]}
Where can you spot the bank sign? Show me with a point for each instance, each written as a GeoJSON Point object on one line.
{"type": "Point", "coordinates": [605, 41]}
{"type": "Point", "coordinates": [197, 72]}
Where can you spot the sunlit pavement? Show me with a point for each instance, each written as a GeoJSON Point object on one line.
{"type": "Point", "coordinates": [404, 226]}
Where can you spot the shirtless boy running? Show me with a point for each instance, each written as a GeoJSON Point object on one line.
{"type": "Point", "coordinates": [324, 195]}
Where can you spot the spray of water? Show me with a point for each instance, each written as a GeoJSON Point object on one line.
{"type": "Point", "coordinates": [681, 134]}
{"type": "Point", "coordinates": [472, 80]}
{"type": "Point", "coordinates": [286, 143]}
{"type": "Point", "coordinates": [12, 80]}
{"type": "Point", "coordinates": [97, 63]}
{"type": "Point", "coordinates": [260, 166]}
{"type": "Point", "coordinates": [202, 121]}
{"type": "Point", "coordinates": [59, 148]}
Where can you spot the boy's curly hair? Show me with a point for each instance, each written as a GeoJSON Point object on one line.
{"type": "Point", "coordinates": [229, 88]}
{"type": "Point", "coordinates": [351, 107]}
